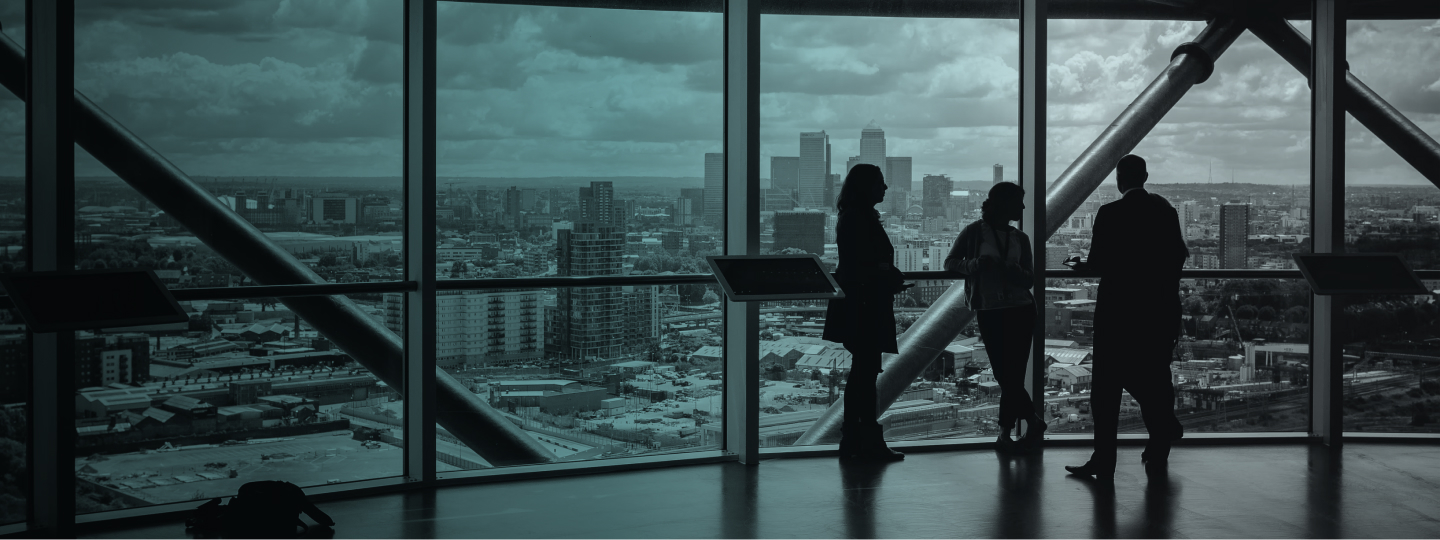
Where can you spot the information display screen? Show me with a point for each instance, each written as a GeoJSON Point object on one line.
{"type": "Point", "coordinates": [1359, 273]}
{"type": "Point", "coordinates": [50, 302]}
{"type": "Point", "coordinates": [774, 277]}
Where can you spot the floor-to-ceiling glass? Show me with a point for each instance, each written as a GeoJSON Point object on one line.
{"type": "Point", "coordinates": [580, 142]}
{"type": "Point", "coordinates": [932, 102]}
{"type": "Point", "coordinates": [14, 346]}
{"type": "Point", "coordinates": [1232, 158]}
{"type": "Point", "coordinates": [1392, 344]}
{"type": "Point", "coordinates": [287, 116]}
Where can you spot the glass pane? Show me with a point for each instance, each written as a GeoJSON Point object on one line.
{"type": "Point", "coordinates": [584, 384]}
{"type": "Point", "coordinates": [1232, 156]}
{"type": "Point", "coordinates": [288, 114]}
{"type": "Point", "coordinates": [937, 113]}
{"type": "Point", "coordinates": [14, 346]}
{"type": "Point", "coordinates": [553, 120]}
{"type": "Point", "coordinates": [1392, 343]}
{"type": "Point", "coordinates": [244, 391]}
{"type": "Point", "coordinates": [1243, 362]}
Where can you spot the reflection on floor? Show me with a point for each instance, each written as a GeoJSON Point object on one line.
{"type": "Point", "coordinates": [1280, 491]}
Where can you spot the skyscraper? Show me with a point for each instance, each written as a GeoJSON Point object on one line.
{"type": "Point", "coordinates": [812, 177]}
{"type": "Point", "coordinates": [999, 174]}
{"type": "Point", "coordinates": [1189, 212]}
{"type": "Point", "coordinates": [897, 173]}
{"type": "Point", "coordinates": [935, 194]}
{"type": "Point", "coordinates": [697, 203]}
{"type": "Point", "coordinates": [589, 322]}
{"type": "Point", "coordinates": [784, 172]}
{"type": "Point", "coordinates": [714, 188]}
{"type": "Point", "coordinates": [1234, 231]}
{"type": "Point", "coordinates": [803, 229]}
{"type": "Point", "coordinates": [598, 205]}
{"type": "Point", "coordinates": [872, 146]}
{"type": "Point", "coordinates": [514, 207]}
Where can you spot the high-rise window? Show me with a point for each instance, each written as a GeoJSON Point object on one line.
{"type": "Point", "coordinates": [597, 132]}
{"type": "Point", "coordinates": [246, 390]}
{"type": "Point", "coordinates": [285, 116]}
{"type": "Point", "coordinates": [15, 357]}
{"type": "Point", "coordinates": [931, 102]}
{"type": "Point", "coordinates": [1232, 155]}
{"type": "Point", "coordinates": [1392, 206]}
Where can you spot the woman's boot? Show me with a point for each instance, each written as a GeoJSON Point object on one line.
{"type": "Point", "coordinates": [875, 448]}
{"type": "Point", "coordinates": [850, 439]}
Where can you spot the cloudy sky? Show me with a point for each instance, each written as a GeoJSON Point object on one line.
{"type": "Point", "coordinates": [312, 88]}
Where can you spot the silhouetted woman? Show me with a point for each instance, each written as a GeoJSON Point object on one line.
{"type": "Point", "coordinates": [865, 320]}
{"type": "Point", "coordinates": [995, 259]}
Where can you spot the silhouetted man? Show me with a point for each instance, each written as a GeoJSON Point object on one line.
{"type": "Point", "coordinates": [1137, 250]}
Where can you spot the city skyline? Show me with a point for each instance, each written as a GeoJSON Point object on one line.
{"type": "Point", "coordinates": [249, 100]}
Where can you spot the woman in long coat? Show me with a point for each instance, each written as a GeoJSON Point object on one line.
{"type": "Point", "coordinates": [864, 321]}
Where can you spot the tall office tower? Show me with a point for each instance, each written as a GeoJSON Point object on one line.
{"type": "Point", "coordinates": [910, 259]}
{"type": "Point", "coordinates": [832, 189]}
{"type": "Point", "coordinates": [772, 200]}
{"type": "Point", "coordinates": [935, 194]}
{"type": "Point", "coordinates": [1234, 231]}
{"type": "Point", "coordinates": [872, 146]}
{"type": "Point", "coordinates": [784, 172]}
{"type": "Point", "coordinates": [714, 189]}
{"type": "Point", "coordinates": [528, 196]}
{"type": "Point", "coordinates": [684, 209]}
{"type": "Point", "coordinates": [588, 323]}
{"type": "Point", "coordinates": [597, 203]}
{"type": "Point", "coordinates": [479, 328]}
{"type": "Point", "coordinates": [482, 199]}
{"type": "Point", "coordinates": [812, 169]}
{"type": "Point", "coordinates": [999, 174]}
{"type": "Point", "coordinates": [514, 207]}
{"type": "Point", "coordinates": [1189, 212]}
{"type": "Point", "coordinates": [697, 203]}
{"type": "Point", "coordinates": [642, 317]}
{"type": "Point", "coordinates": [804, 229]}
{"type": "Point", "coordinates": [553, 201]}
{"type": "Point", "coordinates": [897, 173]}
{"type": "Point", "coordinates": [851, 163]}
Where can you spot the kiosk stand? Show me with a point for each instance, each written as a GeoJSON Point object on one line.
{"type": "Point", "coordinates": [759, 278]}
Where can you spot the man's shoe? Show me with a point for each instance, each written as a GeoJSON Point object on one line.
{"type": "Point", "coordinates": [1093, 470]}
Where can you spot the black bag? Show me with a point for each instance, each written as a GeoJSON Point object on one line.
{"type": "Point", "coordinates": [266, 509]}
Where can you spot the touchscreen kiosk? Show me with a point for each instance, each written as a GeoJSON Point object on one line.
{"type": "Point", "coordinates": [1358, 273]}
{"type": "Point", "coordinates": [55, 301]}
{"type": "Point", "coordinates": [774, 277]}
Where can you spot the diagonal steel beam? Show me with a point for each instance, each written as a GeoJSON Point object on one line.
{"type": "Point", "coordinates": [460, 411]}
{"type": "Point", "coordinates": [1191, 64]}
{"type": "Point", "coordinates": [1372, 111]}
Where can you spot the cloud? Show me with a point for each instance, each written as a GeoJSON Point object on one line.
{"type": "Point", "coordinates": [313, 87]}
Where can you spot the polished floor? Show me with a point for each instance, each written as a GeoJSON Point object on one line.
{"type": "Point", "coordinates": [1262, 491]}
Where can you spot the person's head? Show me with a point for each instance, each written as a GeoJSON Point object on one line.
{"type": "Point", "coordinates": [1130, 172]}
{"type": "Point", "coordinates": [1005, 203]}
{"type": "Point", "coordinates": [863, 187]}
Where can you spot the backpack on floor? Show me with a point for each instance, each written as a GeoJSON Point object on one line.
{"type": "Point", "coordinates": [265, 509]}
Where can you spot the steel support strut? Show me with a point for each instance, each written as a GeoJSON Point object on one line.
{"type": "Point", "coordinates": [1388, 124]}
{"type": "Point", "coordinates": [460, 411]}
{"type": "Point", "coordinates": [1191, 64]}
